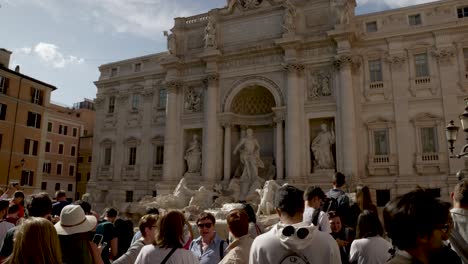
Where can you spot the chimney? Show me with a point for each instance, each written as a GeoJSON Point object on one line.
{"type": "Point", "coordinates": [17, 68]}
{"type": "Point", "coordinates": [5, 57]}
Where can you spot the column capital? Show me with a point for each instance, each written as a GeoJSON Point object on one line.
{"type": "Point", "coordinates": [174, 85]}
{"type": "Point", "coordinates": [280, 114]}
{"type": "Point", "coordinates": [443, 54]}
{"type": "Point", "coordinates": [211, 78]}
{"type": "Point", "coordinates": [293, 67]}
{"type": "Point", "coordinates": [396, 61]}
{"type": "Point", "coordinates": [346, 60]}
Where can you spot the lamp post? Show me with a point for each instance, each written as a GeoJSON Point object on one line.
{"type": "Point", "coordinates": [451, 133]}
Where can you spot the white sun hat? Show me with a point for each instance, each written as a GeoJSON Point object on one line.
{"type": "Point", "coordinates": [73, 220]}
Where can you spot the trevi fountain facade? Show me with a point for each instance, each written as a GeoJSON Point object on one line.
{"type": "Point", "coordinates": [284, 90]}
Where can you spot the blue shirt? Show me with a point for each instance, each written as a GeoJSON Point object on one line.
{"type": "Point", "coordinates": [211, 254]}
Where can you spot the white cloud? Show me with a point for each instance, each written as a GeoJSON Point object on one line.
{"type": "Point", "coordinates": [50, 54]}
{"type": "Point", "coordinates": [23, 51]}
{"type": "Point", "coordinates": [395, 3]}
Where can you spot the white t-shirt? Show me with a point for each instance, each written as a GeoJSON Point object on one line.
{"type": "Point", "coordinates": [323, 223]}
{"type": "Point", "coordinates": [152, 254]}
{"type": "Point", "coordinates": [317, 247]}
{"type": "Point", "coordinates": [371, 250]}
{"type": "Point", "coordinates": [4, 227]}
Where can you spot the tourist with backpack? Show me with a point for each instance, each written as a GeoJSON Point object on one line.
{"type": "Point", "coordinates": [337, 200]}
{"type": "Point", "coordinates": [313, 197]}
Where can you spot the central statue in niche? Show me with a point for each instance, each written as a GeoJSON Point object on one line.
{"type": "Point", "coordinates": [250, 157]}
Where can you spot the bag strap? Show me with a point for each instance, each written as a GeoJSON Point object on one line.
{"type": "Point", "coordinates": [221, 250]}
{"type": "Point", "coordinates": [168, 256]}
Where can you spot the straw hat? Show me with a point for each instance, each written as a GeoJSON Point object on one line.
{"type": "Point", "coordinates": [73, 220]}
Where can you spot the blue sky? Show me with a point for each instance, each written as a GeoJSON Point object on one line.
{"type": "Point", "coordinates": [63, 42]}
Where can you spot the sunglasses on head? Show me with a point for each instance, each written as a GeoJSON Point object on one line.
{"type": "Point", "coordinates": [207, 225]}
{"type": "Point", "coordinates": [301, 232]}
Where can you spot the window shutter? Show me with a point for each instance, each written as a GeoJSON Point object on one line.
{"type": "Point", "coordinates": [24, 175]}
{"type": "Point", "coordinates": [26, 146]}
{"type": "Point", "coordinates": [29, 123]}
{"type": "Point", "coordinates": [3, 108]}
{"type": "Point", "coordinates": [41, 97]}
{"type": "Point", "coordinates": [38, 124]}
{"type": "Point", "coordinates": [35, 145]}
{"type": "Point", "coordinates": [32, 94]}
{"type": "Point", "coordinates": [6, 85]}
{"type": "Point", "coordinates": [31, 178]}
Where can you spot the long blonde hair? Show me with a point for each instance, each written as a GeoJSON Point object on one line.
{"type": "Point", "coordinates": [35, 241]}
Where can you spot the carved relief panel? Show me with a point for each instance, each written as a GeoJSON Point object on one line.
{"type": "Point", "coordinates": [319, 83]}
{"type": "Point", "coordinates": [193, 99]}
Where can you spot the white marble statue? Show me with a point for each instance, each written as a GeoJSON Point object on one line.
{"type": "Point", "coordinates": [192, 100]}
{"type": "Point", "coordinates": [230, 5]}
{"type": "Point", "coordinates": [322, 148]}
{"type": "Point", "coordinates": [171, 42]}
{"type": "Point", "coordinates": [250, 157]}
{"type": "Point", "coordinates": [267, 196]}
{"type": "Point", "coordinates": [193, 155]}
{"type": "Point", "coordinates": [343, 11]}
{"type": "Point", "coordinates": [210, 34]}
{"type": "Point", "coordinates": [203, 198]}
{"type": "Point", "coordinates": [289, 24]}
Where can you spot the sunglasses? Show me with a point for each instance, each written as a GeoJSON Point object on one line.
{"type": "Point", "coordinates": [206, 225]}
{"type": "Point", "coordinates": [301, 232]}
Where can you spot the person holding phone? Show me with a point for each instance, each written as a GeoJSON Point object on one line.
{"type": "Point", "coordinates": [74, 230]}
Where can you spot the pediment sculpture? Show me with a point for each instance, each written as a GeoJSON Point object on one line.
{"type": "Point", "coordinates": [244, 4]}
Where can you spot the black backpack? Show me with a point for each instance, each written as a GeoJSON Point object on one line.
{"type": "Point", "coordinates": [330, 204]}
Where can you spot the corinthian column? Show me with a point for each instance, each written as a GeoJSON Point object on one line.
{"type": "Point", "coordinates": [170, 137]}
{"type": "Point", "coordinates": [279, 119]}
{"type": "Point", "coordinates": [347, 116]}
{"type": "Point", "coordinates": [293, 121]}
{"type": "Point", "coordinates": [227, 153]}
{"type": "Point", "coordinates": [209, 129]}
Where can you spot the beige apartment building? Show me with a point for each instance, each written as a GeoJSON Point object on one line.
{"type": "Point", "coordinates": [87, 115]}
{"type": "Point", "coordinates": [61, 150]}
{"type": "Point", "coordinates": [23, 109]}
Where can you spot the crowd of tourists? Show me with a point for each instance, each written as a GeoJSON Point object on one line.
{"type": "Point", "coordinates": [313, 227]}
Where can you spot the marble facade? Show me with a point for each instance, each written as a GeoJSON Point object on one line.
{"type": "Point", "coordinates": [387, 83]}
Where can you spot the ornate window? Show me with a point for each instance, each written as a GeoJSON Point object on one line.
{"type": "Point", "coordinates": [375, 71]}
{"type": "Point", "coordinates": [371, 27]}
{"type": "Point", "coordinates": [382, 147]}
{"type": "Point", "coordinates": [158, 152]}
{"type": "Point", "coordinates": [414, 20]}
{"type": "Point", "coordinates": [162, 98]}
{"type": "Point", "coordinates": [111, 106]}
{"type": "Point", "coordinates": [135, 102]}
{"type": "Point", "coordinates": [430, 159]}
{"type": "Point", "coordinates": [421, 65]}
{"type": "Point", "coordinates": [132, 152]}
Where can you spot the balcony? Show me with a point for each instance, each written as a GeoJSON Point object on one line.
{"type": "Point", "coordinates": [422, 80]}
{"type": "Point", "coordinates": [381, 165]}
{"type": "Point", "coordinates": [431, 163]}
{"type": "Point", "coordinates": [376, 85]}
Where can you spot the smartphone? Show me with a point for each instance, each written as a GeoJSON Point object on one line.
{"type": "Point", "coordinates": [97, 239]}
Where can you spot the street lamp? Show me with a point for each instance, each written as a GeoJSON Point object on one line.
{"type": "Point", "coordinates": [451, 132]}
